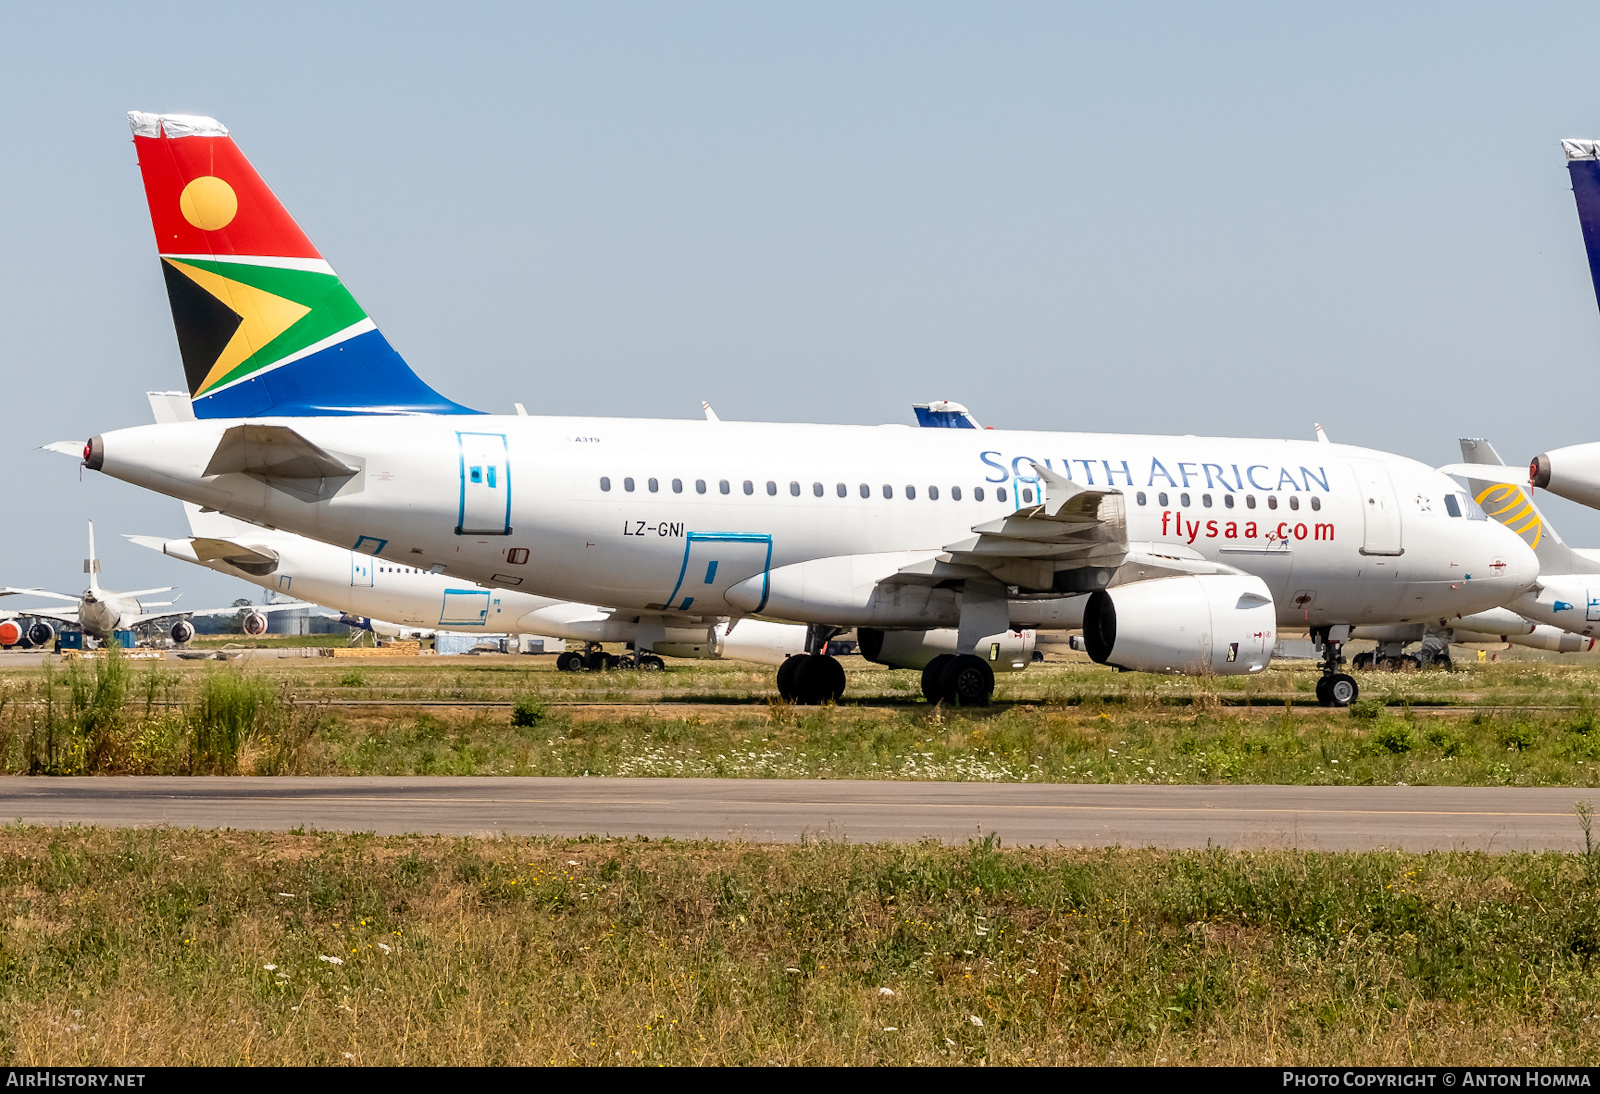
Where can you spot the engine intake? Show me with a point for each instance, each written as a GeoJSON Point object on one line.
{"type": "Point", "coordinates": [1222, 624]}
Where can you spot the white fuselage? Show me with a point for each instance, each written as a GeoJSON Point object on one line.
{"type": "Point", "coordinates": [1339, 534]}
{"type": "Point", "coordinates": [101, 613]}
{"type": "Point", "coordinates": [379, 590]}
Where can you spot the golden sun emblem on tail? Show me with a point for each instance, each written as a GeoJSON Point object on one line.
{"type": "Point", "coordinates": [1511, 506]}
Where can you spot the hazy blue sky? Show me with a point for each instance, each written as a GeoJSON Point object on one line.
{"type": "Point", "coordinates": [1227, 219]}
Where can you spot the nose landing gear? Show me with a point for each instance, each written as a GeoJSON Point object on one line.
{"type": "Point", "coordinates": [1336, 688]}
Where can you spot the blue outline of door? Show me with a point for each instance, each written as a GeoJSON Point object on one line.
{"type": "Point", "coordinates": [485, 466]}
{"type": "Point", "coordinates": [712, 565]}
{"type": "Point", "coordinates": [471, 608]}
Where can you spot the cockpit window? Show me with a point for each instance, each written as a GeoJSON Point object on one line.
{"type": "Point", "coordinates": [1473, 511]}
{"type": "Point", "coordinates": [1451, 505]}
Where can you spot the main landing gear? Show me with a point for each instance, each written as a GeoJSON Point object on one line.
{"type": "Point", "coordinates": [958, 680]}
{"type": "Point", "coordinates": [815, 676]}
{"type": "Point", "coordinates": [595, 659]}
{"type": "Point", "coordinates": [1336, 688]}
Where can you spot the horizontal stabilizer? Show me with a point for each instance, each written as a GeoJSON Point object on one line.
{"type": "Point", "coordinates": [66, 448]}
{"type": "Point", "coordinates": [8, 591]}
{"type": "Point", "coordinates": [1486, 473]}
{"type": "Point", "coordinates": [282, 459]}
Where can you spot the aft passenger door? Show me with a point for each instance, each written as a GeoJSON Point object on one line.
{"type": "Point", "coordinates": [1381, 509]}
{"type": "Point", "coordinates": [485, 508]}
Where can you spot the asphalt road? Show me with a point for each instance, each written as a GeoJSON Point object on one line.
{"type": "Point", "coordinates": [1316, 818]}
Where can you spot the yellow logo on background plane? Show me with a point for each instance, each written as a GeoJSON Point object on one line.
{"type": "Point", "coordinates": [264, 316]}
{"type": "Point", "coordinates": [1515, 511]}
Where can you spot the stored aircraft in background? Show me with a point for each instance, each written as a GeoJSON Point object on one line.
{"type": "Point", "coordinates": [1174, 554]}
{"type": "Point", "coordinates": [100, 613]}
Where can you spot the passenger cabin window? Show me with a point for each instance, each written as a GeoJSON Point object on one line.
{"type": "Point", "coordinates": [1227, 501]}
{"type": "Point", "coordinates": [842, 490]}
{"type": "Point", "coordinates": [1183, 500]}
{"type": "Point", "coordinates": [653, 484]}
{"type": "Point", "coordinates": [627, 484]}
{"type": "Point", "coordinates": [677, 486]}
{"type": "Point", "coordinates": [933, 493]}
{"type": "Point", "coordinates": [866, 491]}
{"type": "Point", "coordinates": [816, 489]}
{"type": "Point", "coordinates": [911, 493]}
{"type": "Point", "coordinates": [772, 488]}
{"type": "Point", "coordinates": [1205, 499]}
{"type": "Point", "coordinates": [699, 486]}
{"type": "Point", "coordinates": [977, 493]}
{"type": "Point", "coordinates": [749, 487]}
{"type": "Point", "coordinates": [605, 482]}
{"type": "Point", "coordinates": [1161, 498]}
{"type": "Point", "coordinates": [1249, 501]}
{"type": "Point", "coordinates": [722, 485]}
{"type": "Point", "coordinates": [1139, 497]}
{"type": "Point", "coordinates": [794, 489]}
{"type": "Point", "coordinates": [1272, 501]}
{"type": "Point", "coordinates": [1451, 505]}
{"type": "Point", "coordinates": [1000, 493]}
{"type": "Point", "coordinates": [955, 493]}
{"type": "Point", "coordinates": [1294, 501]}
{"type": "Point", "coordinates": [1027, 495]}
{"type": "Point", "coordinates": [888, 491]}
{"type": "Point", "coordinates": [1316, 503]}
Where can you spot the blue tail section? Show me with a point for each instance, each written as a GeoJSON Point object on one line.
{"type": "Point", "coordinates": [1583, 164]}
{"type": "Point", "coordinates": [361, 375]}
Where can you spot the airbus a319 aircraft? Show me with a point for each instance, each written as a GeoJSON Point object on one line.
{"type": "Point", "coordinates": [1174, 554]}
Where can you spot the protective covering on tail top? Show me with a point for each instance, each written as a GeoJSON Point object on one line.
{"type": "Point", "coordinates": [265, 327]}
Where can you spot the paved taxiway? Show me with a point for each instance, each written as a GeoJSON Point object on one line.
{"type": "Point", "coordinates": [1317, 818]}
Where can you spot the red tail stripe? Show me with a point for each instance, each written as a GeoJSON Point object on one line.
{"type": "Point", "coordinates": [261, 227]}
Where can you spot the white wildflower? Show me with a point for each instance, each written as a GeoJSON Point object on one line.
{"type": "Point", "coordinates": [269, 968]}
{"type": "Point", "coordinates": [572, 862]}
{"type": "Point", "coordinates": [791, 968]}
{"type": "Point", "coordinates": [384, 946]}
{"type": "Point", "coordinates": [974, 1019]}
{"type": "Point", "coordinates": [891, 1029]}
{"type": "Point", "coordinates": [885, 991]}
{"type": "Point", "coordinates": [286, 894]}
{"type": "Point", "coordinates": [330, 960]}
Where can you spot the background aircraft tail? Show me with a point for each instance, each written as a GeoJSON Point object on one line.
{"type": "Point", "coordinates": [1513, 506]}
{"type": "Point", "coordinates": [1583, 164]}
{"type": "Point", "coordinates": [265, 327]}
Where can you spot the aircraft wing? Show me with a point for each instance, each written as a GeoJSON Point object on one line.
{"type": "Point", "coordinates": [1073, 527]}
{"type": "Point", "coordinates": [264, 609]}
{"type": "Point", "coordinates": [61, 615]}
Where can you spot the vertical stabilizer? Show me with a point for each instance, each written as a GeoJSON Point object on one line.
{"type": "Point", "coordinates": [265, 327]}
{"type": "Point", "coordinates": [1583, 164]}
{"type": "Point", "coordinates": [91, 565]}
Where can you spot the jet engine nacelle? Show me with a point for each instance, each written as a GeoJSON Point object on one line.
{"type": "Point", "coordinates": [1211, 623]}
{"type": "Point", "coordinates": [1572, 472]}
{"type": "Point", "coordinates": [762, 642]}
{"type": "Point", "coordinates": [182, 631]}
{"type": "Point", "coordinates": [10, 632]}
{"type": "Point", "coordinates": [915, 649]}
{"type": "Point", "coordinates": [41, 633]}
{"type": "Point", "coordinates": [254, 623]}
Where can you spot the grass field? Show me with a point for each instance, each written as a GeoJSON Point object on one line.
{"type": "Point", "coordinates": [164, 947]}
{"type": "Point", "coordinates": [1530, 723]}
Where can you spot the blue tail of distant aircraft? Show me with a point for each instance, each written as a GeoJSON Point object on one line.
{"type": "Point", "coordinates": [1583, 164]}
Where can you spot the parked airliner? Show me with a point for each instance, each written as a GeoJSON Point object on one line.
{"type": "Point", "coordinates": [1174, 554]}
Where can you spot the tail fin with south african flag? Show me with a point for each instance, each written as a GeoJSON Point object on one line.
{"type": "Point", "coordinates": [265, 327]}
